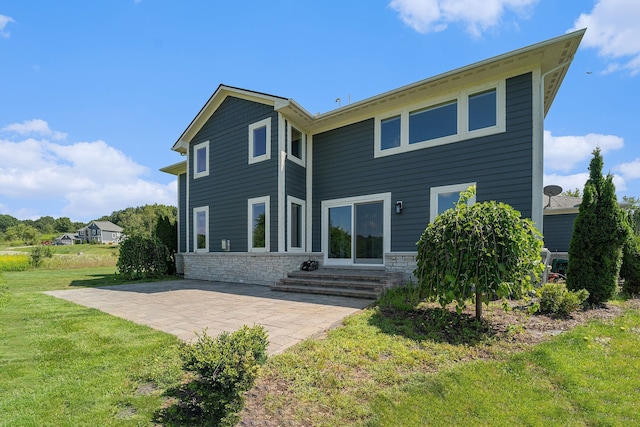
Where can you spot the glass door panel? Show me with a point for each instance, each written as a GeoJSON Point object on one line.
{"type": "Point", "coordinates": [340, 241]}
{"type": "Point", "coordinates": [369, 233]}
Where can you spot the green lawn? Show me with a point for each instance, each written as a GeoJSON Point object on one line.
{"type": "Point", "coordinates": [66, 365]}
{"type": "Point", "coordinates": [62, 364]}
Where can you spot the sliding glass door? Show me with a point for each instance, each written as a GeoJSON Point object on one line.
{"type": "Point", "coordinates": [354, 231]}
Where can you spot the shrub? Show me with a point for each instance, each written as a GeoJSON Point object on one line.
{"type": "Point", "coordinates": [15, 262]}
{"type": "Point", "coordinates": [556, 299]}
{"type": "Point", "coordinates": [486, 250]}
{"type": "Point", "coordinates": [630, 270]}
{"type": "Point", "coordinates": [403, 298]}
{"type": "Point", "coordinates": [142, 257]}
{"type": "Point", "coordinates": [600, 230]}
{"type": "Point", "coordinates": [38, 254]}
{"type": "Point", "coordinates": [166, 231]}
{"type": "Point", "coordinates": [225, 368]}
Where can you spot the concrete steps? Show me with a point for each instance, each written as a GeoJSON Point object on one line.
{"type": "Point", "coordinates": [355, 283]}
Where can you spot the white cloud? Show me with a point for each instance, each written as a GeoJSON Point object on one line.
{"type": "Point", "coordinates": [562, 153]}
{"type": "Point", "coordinates": [629, 170]}
{"type": "Point", "coordinates": [612, 29]}
{"type": "Point", "coordinates": [4, 20]}
{"type": "Point", "coordinates": [91, 178]}
{"type": "Point", "coordinates": [478, 16]}
{"type": "Point", "coordinates": [573, 181]}
{"type": "Point", "coordinates": [34, 127]}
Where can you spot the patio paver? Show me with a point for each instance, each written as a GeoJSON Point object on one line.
{"type": "Point", "coordinates": [186, 307]}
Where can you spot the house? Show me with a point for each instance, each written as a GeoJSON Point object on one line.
{"type": "Point", "coordinates": [100, 232]}
{"type": "Point", "coordinates": [560, 212]}
{"type": "Point", "coordinates": [267, 185]}
{"type": "Point", "coordinates": [66, 239]}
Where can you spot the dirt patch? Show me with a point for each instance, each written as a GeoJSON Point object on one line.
{"type": "Point", "coordinates": [515, 326]}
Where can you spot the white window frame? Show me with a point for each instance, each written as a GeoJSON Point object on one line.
{"type": "Point", "coordinates": [267, 221]}
{"type": "Point", "coordinates": [463, 133]}
{"type": "Point", "coordinates": [303, 148]}
{"type": "Point", "coordinates": [303, 239]}
{"type": "Point", "coordinates": [435, 191]}
{"type": "Point", "coordinates": [325, 205]}
{"type": "Point", "coordinates": [205, 172]}
{"type": "Point", "coordinates": [197, 210]}
{"type": "Point", "coordinates": [252, 127]}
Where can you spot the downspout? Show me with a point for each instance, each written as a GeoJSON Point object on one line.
{"type": "Point", "coordinates": [538, 160]}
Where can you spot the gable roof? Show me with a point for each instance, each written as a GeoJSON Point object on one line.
{"type": "Point", "coordinates": [553, 57]}
{"type": "Point", "coordinates": [106, 225]}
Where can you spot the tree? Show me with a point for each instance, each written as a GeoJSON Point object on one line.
{"type": "Point", "coordinates": [572, 193]}
{"type": "Point", "coordinates": [7, 221]}
{"type": "Point", "coordinates": [167, 232]}
{"type": "Point", "coordinates": [141, 220]}
{"type": "Point", "coordinates": [484, 250]}
{"type": "Point", "coordinates": [600, 231]}
{"type": "Point", "coordinates": [64, 225]}
{"type": "Point", "coordinates": [631, 206]}
{"type": "Point", "coordinates": [45, 224]}
{"type": "Point", "coordinates": [22, 233]}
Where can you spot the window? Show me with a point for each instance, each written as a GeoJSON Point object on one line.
{"type": "Point", "coordinates": [260, 141]}
{"type": "Point", "coordinates": [201, 229]}
{"type": "Point", "coordinates": [482, 110]}
{"type": "Point", "coordinates": [296, 215]}
{"type": "Point", "coordinates": [470, 113]}
{"type": "Point", "coordinates": [445, 197]}
{"type": "Point", "coordinates": [258, 231]}
{"type": "Point", "coordinates": [390, 133]}
{"type": "Point", "coordinates": [296, 145]}
{"type": "Point", "coordinates": [201, 160]}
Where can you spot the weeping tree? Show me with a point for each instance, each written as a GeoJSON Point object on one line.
{"type": "Point", "coordinates": [484, 251]}
{"type": "Point", "coordinates": [599, 233]}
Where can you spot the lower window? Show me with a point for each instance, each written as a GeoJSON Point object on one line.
{"type": "Point", "coordinates": [446, 196]}
{"type": "Point", "coordinates": [296, 230]}
{"type": "Point", "coordinates": [201, 229]}
{"type": "Point", "coordinates": [258, 231]}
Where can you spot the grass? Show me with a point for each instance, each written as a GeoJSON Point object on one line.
{"type": "Point", "coordinates": [64, 364]}
{"type": "Point", "coordinates": [389, 368]}
{"type": "Point", "coordinates": [64, 258]}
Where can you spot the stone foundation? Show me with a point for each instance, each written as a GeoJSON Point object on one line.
{"type": "Point", "coordinates": [240, 267]}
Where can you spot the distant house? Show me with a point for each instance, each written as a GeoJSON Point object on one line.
{"type": "Point", "coordinates": [267, 185]}
{"type": "Point", "coordinates": [100, 232]}
{"type": "Point", "coordinates": [560, 212]}
{"type": "Point", "coordinates": [66, 239]}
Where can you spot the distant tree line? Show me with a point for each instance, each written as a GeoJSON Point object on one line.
{"type": "Point", "coordinates": [142, 220]}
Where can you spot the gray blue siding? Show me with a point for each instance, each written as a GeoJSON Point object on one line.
{"type": "Point", "coordinates": [182, 212]}
{"type": "Point", "coordinates": [558, 230]}
{"type": "Point", "coordinates": [232, 181]}
{"type": "Point", "coordinates": [501, 165]}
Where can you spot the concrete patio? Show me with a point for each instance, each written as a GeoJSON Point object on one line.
{"type": "Point", "coordinates": [184, 307]}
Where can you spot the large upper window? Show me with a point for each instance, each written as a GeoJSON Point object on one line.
{"type": "Point", "coordinates": [201, 229]}
{"type": "Point", "coordinates": [296, 145]}
{"type": "Point", "coordinates": [469, 113]}
{"type": "Point", "coordinates": [296, 231]}
{"type": "Point", "coordinates": [260, 141]}
{"type": "Point", "coordinates": [445, 197]}
{"type": "Point", "coordinates": [258, 231]}
{"type": "Point", "coordinates": [201, 159]}
{"type": "Point", "coordinates": [432, 123]}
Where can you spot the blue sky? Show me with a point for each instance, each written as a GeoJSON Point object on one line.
{"type": "Point", "coordinates": [94, 94]}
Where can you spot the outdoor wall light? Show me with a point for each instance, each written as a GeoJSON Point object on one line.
{"type": "Point", "coordinates": [399, 206]}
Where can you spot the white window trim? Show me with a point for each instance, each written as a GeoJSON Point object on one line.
{"type": "Point", "coordinates": [325, 205]}
{"type": "Point", "coordinates": [267, 221]}
{"type": "Point", "coordinates": [196, 147]}
{"type": "Point", "coordinates": [290, 201]}
{"type": "Point", "coordinates": [262, 123]}
{"type": "Point", "coordinates": [204, 209]}
{"type": "Point", "coordinates": [462, 99]}
{"type": "Point", "coordinates": [303, 149]}
{"type": "Point", "coordinates": [435, 191]}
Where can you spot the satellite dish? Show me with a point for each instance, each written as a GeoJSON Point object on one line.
{"type": "Point", "coordinates": [552, 190]}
